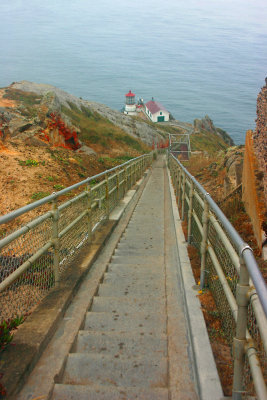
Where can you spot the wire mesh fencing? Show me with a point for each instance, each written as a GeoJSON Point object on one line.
{"type": "Point", "coordinates": [229, 269]}
{"type": "Point", "coordinates": [35, 255]}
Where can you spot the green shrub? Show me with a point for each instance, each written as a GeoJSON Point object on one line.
{"type": "Point", "coordinates": [39, 195]}
{"type": "Point", "coordinates": [5, 331]}
{"type": "Point", "coordinates": [29, 163]}
{"type": "Point", "coordinates": [59, 187]}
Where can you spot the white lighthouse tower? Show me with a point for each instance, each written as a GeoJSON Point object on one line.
{"type": "Point", "coordinates": [130, 106]}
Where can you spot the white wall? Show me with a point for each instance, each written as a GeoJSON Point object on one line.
{"type": "Point", "coordinates": [154, 117]}
{"type": "Point", "coordinates": [130, 108]}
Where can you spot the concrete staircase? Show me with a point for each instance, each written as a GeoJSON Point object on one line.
{"type": "Point", "coordinates": [121, 352]}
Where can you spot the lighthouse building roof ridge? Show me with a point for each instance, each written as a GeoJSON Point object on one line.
{"type": "Point", "coordinates": [155, 106]}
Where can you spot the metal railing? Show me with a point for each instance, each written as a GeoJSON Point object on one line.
{"type": "Point", "coordinates": [229, 269]}
{"type": "Point", "coordinates": [34, 256]}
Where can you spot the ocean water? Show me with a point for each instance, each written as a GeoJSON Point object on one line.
{"type": "Point", "coordinates": [196, 57]}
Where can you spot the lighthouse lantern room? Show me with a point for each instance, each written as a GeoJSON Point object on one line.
{"type": "Point", "coordinates": [130, 106]}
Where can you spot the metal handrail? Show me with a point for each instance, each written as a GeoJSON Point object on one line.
{"type": "Point", "coordinates": [35, 254]}
{"type": "Point", "coordinates": [246, 272]}
{"type": "Point", "coordinates": [244, 249]}
{"type": "Point", "coordinates": [48, 199]}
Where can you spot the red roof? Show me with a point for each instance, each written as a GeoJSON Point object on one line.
{"type": "Point", "coordinates": [130, 94]}
{"type": "Point", "coordinates": [155, 106]}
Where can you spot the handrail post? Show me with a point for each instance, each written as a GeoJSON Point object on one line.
{"type": "Point", "coordinates": [183, 196]}
{"type": "Point", "coordinates": [176, 180]}
{"type": "Point", "coordinates": [179, 187]}
{"type": "Point", "coordinates": [125, 181]}
{"type": "Point", "coordinates": [89, 211]}
{"type": "Point", "coordinates": [107, 196]}
{"type": "Point", "coordinates": [118, 186]}
{"type": "Point", "coordinates": [190, 212]}
{"type": "Point", "coordinates": [55, 238]}
{"type": "Point", "coordinates": [173, 170]}
{"type": "Point", "coordinates": [239, 342]}
{"type": "Point", "coordinates": [203, 248]}
{"type": "Point", "coordinates": [171, 167]}
{"type": "Point", "coordinates": [143, 165]}
{"type": "Point", "coordinates": [131, 175]}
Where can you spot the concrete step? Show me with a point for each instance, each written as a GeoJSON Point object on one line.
{"type": "Point", "coordinates": [141, 323]}
{"type": "Point", "coordinates": [128, 305]}
{"type": "Point", "coordinates": [134, 288]}
{"type": "Point", "coordinates": [142, 275]}
{"type": "Point", "coordinates": [84, 392]}
{"type": "Point", "coordinates": [133, 277]}
{"type": "Point", "coordinates": [142, 252]}
{"type": "Point", "coordinates": [139, 246]}
{"type": "Point", "coordinates": [138, 259]}
{"type": "Point", "coordinates": [144, 233]}
{"type": "Point", "coordinates": [89, 369]}
{"type": "Point", "coordinates": [135, 268]}
{"type": "Point", "coordinates": [122, 346]}
{"type": "Point", "coordinates": [138, 223]}
{"type": "Point", "coordinates": [143, 241]}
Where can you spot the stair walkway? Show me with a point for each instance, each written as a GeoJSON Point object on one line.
{"type": "Point", "coordinates": [122, 350]}
{"type": "Point", "coordinates": [133, 343]}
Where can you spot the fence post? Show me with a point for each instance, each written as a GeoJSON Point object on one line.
{"type": "Point", "coordinates": [107, 196]}
{"type": "Point", "coordinates": [125, 181]}
{"type": "Point", "coordinates": [89, 211]}
{"type": "Point", "coordinates": [203, 248]}
{"type": "Point", "coordinates": [55, 239]}
{"type": "Point", "coordinates": [131, 175]}
{"type": "Point", "coordinates": [190, 212]}
{"type": "Point", "coordinates": [179, 187]}
{"type": "Point", "coordinates": [241, 327]}
{"type": "Point", "coordinates": [143, 165]}
{"type": "Point", "coordinates": [183, 196]}
{"type": "Point", "coordinates": [176, 180]}
{"type": "Point", "coordinates": [118, 185]}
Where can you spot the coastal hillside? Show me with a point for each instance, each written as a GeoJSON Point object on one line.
{"type": "Point", "coordinates": [50, 139]}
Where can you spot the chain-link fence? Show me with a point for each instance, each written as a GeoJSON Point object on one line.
{"type": "Point", "coordinates": [229, 269]}
{"type": "Point", "coordinates": [33, 257]}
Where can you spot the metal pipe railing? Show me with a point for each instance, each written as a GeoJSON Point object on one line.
{"type": "Point", "coordinates": [241, 280]}
{"type": "Point", "coordinates": [14, 214]}
{"type": "Point", "coordinates": [244, 249]}
{"type": "Point", "coordinates": [33, 257]}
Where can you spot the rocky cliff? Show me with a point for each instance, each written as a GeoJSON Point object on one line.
{"type": "Point", "coordinates": [30, 104]}
{"type": "Point", "coordinates": [260, 137]}
{"type": "Point", "coordinates": [206, 124]}
{"type": "Point", "coordinates": [255, 173]}
{"type": "Point", "coordinates": [50, 139]}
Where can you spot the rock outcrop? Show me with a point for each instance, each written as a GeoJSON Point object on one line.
{"type": "Point", "coordinates": [233, 163]}
{"type": "Point", "coordinates": [55, 99]}
{"type": "Point", "coordinates": [206, 124]}
{"type": "Point", "coordinates": [260, 137]}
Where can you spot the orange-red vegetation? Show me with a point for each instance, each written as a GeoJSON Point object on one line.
{"type": "Point", "coordinates": [69, 136]}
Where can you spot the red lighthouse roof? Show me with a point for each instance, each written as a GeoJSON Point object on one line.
{"type": "Point", "coordinates": [130, 94]}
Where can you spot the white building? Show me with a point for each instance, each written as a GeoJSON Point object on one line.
{"type": "Point", "coordinates": [130, 106]}
{"type": "Point", "coordinates": [156, 112]}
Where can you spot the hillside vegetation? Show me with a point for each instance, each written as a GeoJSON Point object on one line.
{"type": "Point", "coordinates": [50, 139]}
